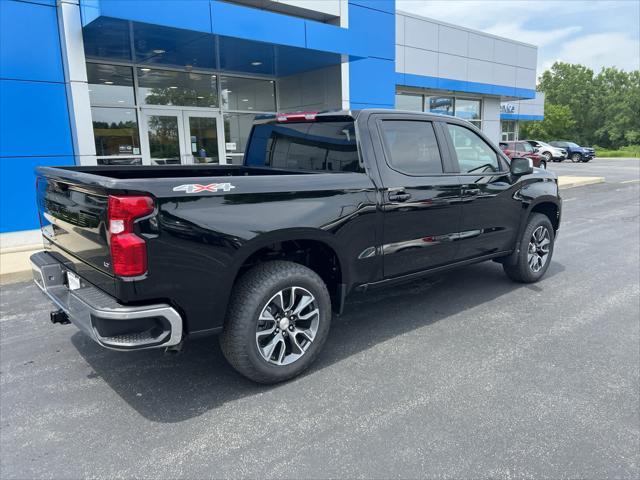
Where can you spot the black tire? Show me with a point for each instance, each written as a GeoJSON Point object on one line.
{"type": "Point", "coordinates": [576, 157]}
{"type": "Point", "coordinates": [251, 296]}
{"type": "Point", "coordinates": [548, 156]}
{"type": "Point", "coordinates": [519, 269]}
{"type": "Point", "coordinates": [543, 165]}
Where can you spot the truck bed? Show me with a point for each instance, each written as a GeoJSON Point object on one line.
{"type": "Point", "coordinates": [181, 171]}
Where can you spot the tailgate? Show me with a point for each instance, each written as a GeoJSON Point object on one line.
{"type": "Point", "coordinates": [75, 219]}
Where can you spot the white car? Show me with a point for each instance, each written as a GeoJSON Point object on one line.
{"type": "Point", "coordinates": [550, 152]}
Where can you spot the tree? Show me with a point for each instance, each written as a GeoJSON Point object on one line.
{"type": "Point", "coordinates": [558, 123]}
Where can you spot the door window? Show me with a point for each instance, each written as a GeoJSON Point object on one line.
{"type": "Point", "coordinates": [203, 139]}
{"type": "Point", "coordinates": [164, 139]}
{"type": "Point", "coordinates": [474, 154]}
{"type": "Point", "coordinates": [412, 147]}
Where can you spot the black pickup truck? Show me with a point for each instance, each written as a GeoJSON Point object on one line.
{"type": "Point", "coordinates": [263, 253]}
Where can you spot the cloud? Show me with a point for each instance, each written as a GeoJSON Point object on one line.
{"type": "Point", "coordinates": [598, 50]}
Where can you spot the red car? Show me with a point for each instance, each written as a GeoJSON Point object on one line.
{"type": "Point", "coordinates": [523, 149]}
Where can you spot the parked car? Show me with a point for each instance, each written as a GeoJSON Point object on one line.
{"type": "Point", "coordinates": [574, 151]}
{"type": "Point", "coordinates": [549, 152]}
{"type": "Point", "coordinates": [525, 150]}
{"type": "Point", "coordinates": [262, 253]}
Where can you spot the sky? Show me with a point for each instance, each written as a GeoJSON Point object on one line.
{"type": "Point", "coordinates": [594, 33]}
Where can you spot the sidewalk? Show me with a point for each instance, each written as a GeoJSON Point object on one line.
{"type": "Point", "coordinates": [570, 181]}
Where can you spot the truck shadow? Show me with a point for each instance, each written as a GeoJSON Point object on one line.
{"type": "Point", "coordinates": [171, 389]}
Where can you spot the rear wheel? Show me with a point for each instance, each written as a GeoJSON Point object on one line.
{"type": "Point", "coordinates": [548, 156]}
{"type": "Point", "coordinates": [535, 251]}
{"type": "Point", "coordinates": [278, 321]}
{"type": "Point", "coordinates": [576, 157]}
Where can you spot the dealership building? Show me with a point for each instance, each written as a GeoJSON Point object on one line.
{"type": "Point", "coordinates": [139, 82]}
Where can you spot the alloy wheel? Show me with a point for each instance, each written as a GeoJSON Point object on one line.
{"type": "Point", "coordinates": [287, 325]}
{"type": "Point", "coordinates": [538, 251]}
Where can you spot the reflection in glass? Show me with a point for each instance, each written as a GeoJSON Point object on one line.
{"type": "Point", "coordinates": [440, 105]}
{"type": "Point", "coordinates": [164, 143]}
{"type": "Point", "coordinates": [468, 109]}
{"type": "Point", "coordinates": [110, 85]}
{"type": "Point", "coordinates": [204, 140]}
{"type": "Point", "coordinates": [237, 127]}
{"type": "Point", "coordinates": [120, 161]}
{"type": "Point", "coordinates": [115, 131]}
{"type": "Point", "coordinates": [406, 101]}
{"type": "Point", "coordinates": [248, 94]}
{"type": "Point", "coordinates": [163, 87]}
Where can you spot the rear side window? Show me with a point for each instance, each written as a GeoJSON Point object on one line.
{"type": "Point", "coordinates": [474, 154]}
{"type": "Point", "coordinates": [324, 146]}
{"type": "Point", "coordinates": [412, 147]}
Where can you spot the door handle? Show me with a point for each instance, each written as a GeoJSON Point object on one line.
{"type": "Point", "coordinates": [399, 196]}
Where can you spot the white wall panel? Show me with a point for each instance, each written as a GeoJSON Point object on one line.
{"type": "Point", "coordinates": [504, 75]}
{"type": "Point", "coordinates": [480, 71]}
{"type": "Point", "coordinates": [481, 47]}
{"type": "Point", "coordinates": [505, 52]}
{"type": "Point", "coordinates": [525, 78]}
{"type": "Point", "coordinates": [527, 57]}
{"type": "Point", "coordinates": [453, 40]}
{"type": "Point", "coordinates": [421, 34]}
{"type": "Point", "coordinates": [400, 49]}
{"type": "Point", "coordinates": [452, 66]}
{"type": "Point", "coordinates": [420, 62]}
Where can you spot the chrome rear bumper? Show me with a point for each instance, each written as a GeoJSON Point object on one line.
{"type": "Point", "coordinates": [100, 316]}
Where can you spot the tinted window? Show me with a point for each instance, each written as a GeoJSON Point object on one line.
{"type": "Point", "coordinates": [474, 154]}
{"type": "Point", "coordinates": [405, 101]}
{"type": "Point", "coordinates": [412, 147]}
{"type": "Point", "coordinates": [329, 146]}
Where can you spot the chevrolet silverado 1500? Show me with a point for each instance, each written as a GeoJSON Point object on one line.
{"type": "Point", "coordinates": [263, 253]}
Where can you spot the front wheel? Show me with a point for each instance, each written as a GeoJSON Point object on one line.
{"type": "Point", "coordinates": [277, 323]}
{"type": "Point", "coordinates": [548, 156]}
{"type": "Point", "coordinates": [535, 250]}
{"type": "Point", "coordinates": [576, 157]}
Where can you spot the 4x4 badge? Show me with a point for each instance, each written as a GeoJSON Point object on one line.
{"type": "Point", "coordinates": [197, 188]}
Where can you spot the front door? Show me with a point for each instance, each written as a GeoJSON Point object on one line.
{"type": "Point", "coordinates": [490, 214]}
{"type": "Point", "coordinates": [174, 137]}
{"type": "Point", "coordinates": [421, 198]}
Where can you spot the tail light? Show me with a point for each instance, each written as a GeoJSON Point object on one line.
{"type": "Point", "coordinates": [128, 251]}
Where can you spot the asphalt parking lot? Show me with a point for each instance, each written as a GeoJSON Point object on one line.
{"type": "Point", "coordinates": [465, 375]}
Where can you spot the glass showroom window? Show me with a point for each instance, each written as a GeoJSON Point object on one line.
{"type": "Point", "coordinates": [187, 89]}
{"type": "Point", "coordinates": [115, 125]}
{"type": "Point", "coordinates": [439, 105]}
{"type": "Point", "coordinates": [469, 109]}
{"type": "Point", "coordinates": [408, 101]}
{"type": "Point", "coordinates": [248, 94]}
{"type": "Point", "coordinates": [237, 127]}
{"type": "Point", "coordinates": [508, 130]}
{"type": "Point", "coordinates": [116, 132]}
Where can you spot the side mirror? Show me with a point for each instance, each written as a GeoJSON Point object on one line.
{"type": "Point", "coordinates": [521, 166]}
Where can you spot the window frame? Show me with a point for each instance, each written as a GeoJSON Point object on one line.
{"type": "Point", "coordinates": [503, 160]}
{"type": "Point", "coordinates": [445, 159]}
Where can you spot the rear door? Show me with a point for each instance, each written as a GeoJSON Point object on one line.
{"type": "Point", "coordinates": [490, 215]}
{"type": "Point", "coordinates": [421, 194]}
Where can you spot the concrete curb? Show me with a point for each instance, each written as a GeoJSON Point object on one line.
{"type": "Point", "coordinates": [569, 181]}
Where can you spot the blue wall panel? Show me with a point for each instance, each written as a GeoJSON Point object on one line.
{"type": "Point", "coordinates": [372, 31]}
{"type": "Point", "coordinates": [388, 6]}
{"type": "Point", "coordinates": [34, 119]}
{"type": "Point", "coordinates": [261, 25]}
{"type": "Point", "coordinates": [190, 15]}
{"type": "Point", "coordinates": [411, 80]}
{"type": "Point", "coordinates": [372, 82]}
{"type": "Point", "coordinates": [29, 42]}
{"type": "Point", "coordinates": [17, 191]}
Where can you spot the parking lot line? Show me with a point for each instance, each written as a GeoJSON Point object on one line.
{"type": "Point", "coordinates": [631, 181]}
